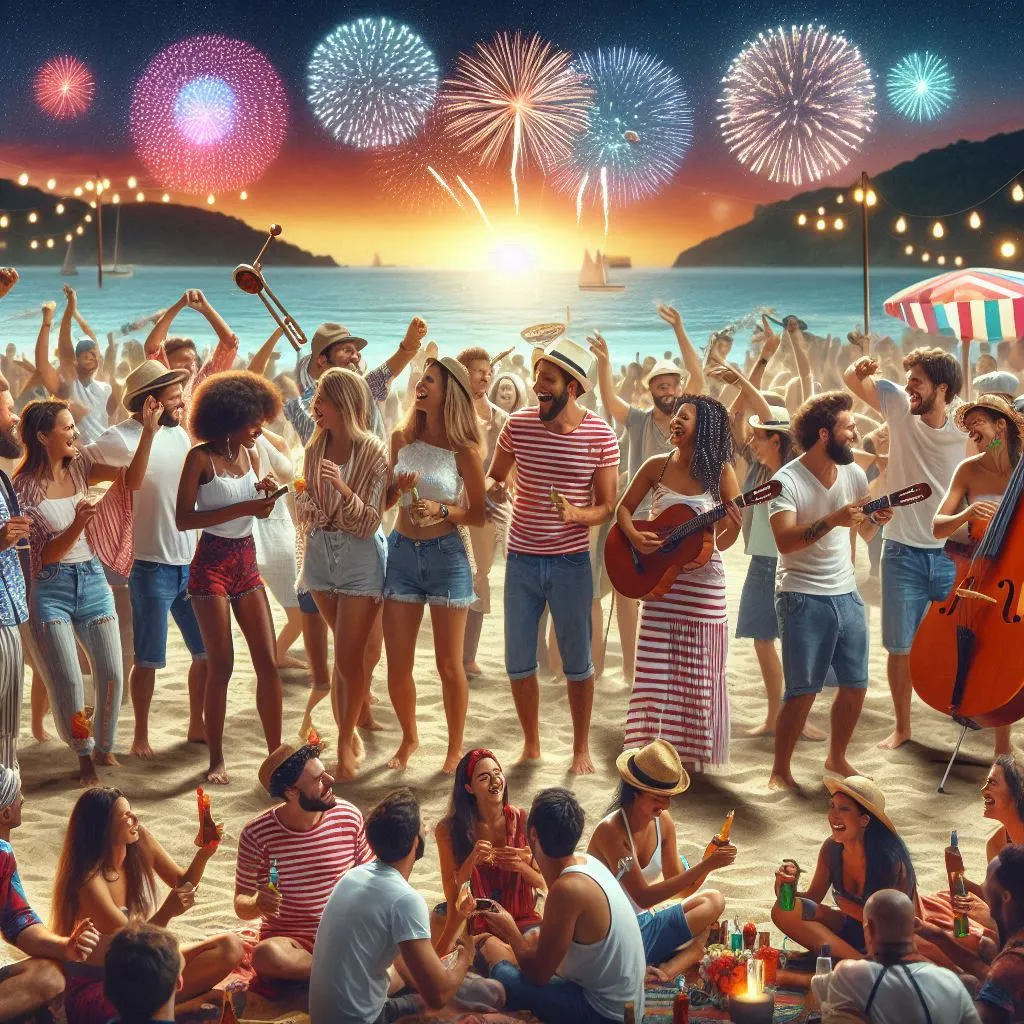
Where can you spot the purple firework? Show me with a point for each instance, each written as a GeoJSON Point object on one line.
{"type": "Point", "coordinates": [209, 114]}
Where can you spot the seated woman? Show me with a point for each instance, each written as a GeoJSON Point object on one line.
{"type": "Point", "coordinates": [863, 855]}
{"type": "Point", "coordinates": [107, 873]}
{"type": "Point", "coordinates": [637, 843]}
{"type": "Point", "coordinates": [482, 840]}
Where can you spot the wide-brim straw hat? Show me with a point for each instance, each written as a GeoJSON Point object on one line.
{"type": "Point", "coordinates": [991, 403]}
{"type": "Point", "coordinates": [780, 420]}
{"type": "Point", "coordinates": [865, 792]}
{"type": "Point", "coordinates": [150, 376]}
{"type": "Point", "coordinates": [457, 370]}
{"type": "Point", "coordinates": [568, 356]}
{"type": "Point", "coordinates": [330, 334]}
{"type": "Point", "coordinates": [273, 762]}
{"type": "Point", "coordinates": [655, 768]}
{"type": "Point", "coordinates": [662, 368]}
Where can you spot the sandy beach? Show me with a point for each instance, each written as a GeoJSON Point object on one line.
{"type": "Point", "coordinates": [768, 826]}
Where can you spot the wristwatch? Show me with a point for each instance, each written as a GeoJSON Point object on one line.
{"type": "Point", "coordinates": [444, 511]}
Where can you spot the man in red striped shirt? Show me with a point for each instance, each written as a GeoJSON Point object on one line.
{"type": "Point", "coordinates": [566, 461]}
{"type": "Point", "coordinates": [291, 857]}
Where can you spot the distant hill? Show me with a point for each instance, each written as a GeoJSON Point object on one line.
{"type": "Point", "coordinates": [933, 183]}
{"type": "Point", "coordinates": [152, 234]}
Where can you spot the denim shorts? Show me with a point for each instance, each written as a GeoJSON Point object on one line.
{"type": "Point", "coordinates": [340, 563]}
{"type": "Point", "coordinates": [555, 1002]}
{"type": "Point", "coordinates": [307, 605]}
{"type": "Point", "coordinates": [428, 571]}
{"type": "Point", "coordinates": [818, 632]}
{"type": "Point", "coordinates": [663, 932]}
{"type": "Point", "coordinates": [157, 589]}
{"type": "Point", "coordinates": [911, 579]}
{"type": "Point", "coordinates": [75, 592]}
{"type": "Point", "coordinates": [565, 584]}
{"type": "Point", "coordinates": [757, 619]}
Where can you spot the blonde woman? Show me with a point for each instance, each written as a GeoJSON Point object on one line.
{"type": "Point", "coordinates": [437, 479]}
{"type": "Point", "coordinates": [342, 551]}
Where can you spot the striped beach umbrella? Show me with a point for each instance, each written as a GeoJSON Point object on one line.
{"type": "Point", "coordinates": [971, 305]}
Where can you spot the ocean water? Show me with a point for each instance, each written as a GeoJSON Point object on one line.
{"type": "Point", "coordinates": [466, 308]}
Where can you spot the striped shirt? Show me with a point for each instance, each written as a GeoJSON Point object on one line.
{"type": "Point", "coordinates": [309, 865]}
{"type": "Point", "coordinates": [546, 460]}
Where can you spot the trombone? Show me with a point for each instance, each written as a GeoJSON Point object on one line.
{"type": "Point", "coordinates": [249, 277]}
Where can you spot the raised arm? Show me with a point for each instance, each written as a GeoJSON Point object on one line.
{"type": "Point", "coordinates": [258, 363]}
{"type": "Point", "coordinates": [612, 401]}
{"type": "Point", "coordinates": [158, 335]}
{"type": "Point", "coordinates": [695, 382]}
{"type": "Point", "coordinates": [65, 349]}
{"type": "Point", "coordinates": [50, 378]}
{"type": "Point", "coordinates": [858, 377]}
{"type": "Point", "coordinates": [798, 343]}
{"type": "Point", "coordinates": [407, 347]}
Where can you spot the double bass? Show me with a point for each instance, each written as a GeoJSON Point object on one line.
{"type": "Point", "coordinates": [967, 658]}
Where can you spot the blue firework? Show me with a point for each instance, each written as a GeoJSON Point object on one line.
{"type": "Point", "coordinates": [372, 82]}
{"type": "Point", "coordinates": [920, 86]}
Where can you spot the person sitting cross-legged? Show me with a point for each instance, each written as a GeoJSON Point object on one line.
{"type": "Point", "coordinates": [144, 972]}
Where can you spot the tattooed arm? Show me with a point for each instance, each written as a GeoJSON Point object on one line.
{"type": "Point", "coordinates": [793, 536]}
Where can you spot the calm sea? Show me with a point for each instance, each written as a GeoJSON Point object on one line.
{"type": "Point", "coordinates": [468, 308]}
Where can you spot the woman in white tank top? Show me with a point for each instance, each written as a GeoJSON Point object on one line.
{"type": "Point", "coordinates": [221, 492]}
{"type": "Point", "coordinates": [637, 842]}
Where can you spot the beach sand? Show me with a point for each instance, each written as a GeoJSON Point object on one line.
{"type": "Point", "coordinates": [768, 825]}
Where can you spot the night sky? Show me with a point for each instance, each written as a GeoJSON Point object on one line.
{"type": "Point", "coordinates": [329, 199]}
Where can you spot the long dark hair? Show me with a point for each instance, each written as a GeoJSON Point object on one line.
{"type": "Point", "coordinates": [624, 797]}
{"type": "Point", "coordinates": [712, 443]}
{"type": "Point", "coordinates": [1013, 772]}
{"type": "Point", "coordinates": [461, 816]}
{"type": "Point", "coordinates": [86, 852]}
{"type": "Point", "coordinates": [1013, 443]}
{"type": "Point", "coordinates": [888, 859]}
{"type": "Point", "coordinates": [38, 418]}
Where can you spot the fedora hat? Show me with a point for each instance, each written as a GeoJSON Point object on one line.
{"type": "Point", "coordinates": [568, 356]}
{"type": "Point", "coordinates": [274, 761]}
{"type": "Point", "coordinates": [779, 421]}
{"type": "Point", "coordinates": [662, 368]}
{"type": "Point", "coordinates": [997, 403]}
{"type": "Point", "coordinates": [865, 792]}
{"type": "Point", "coordinates": [150, 376]}
{"type": "Point", "coordinates": [330, 334]}
{"type": "Point", "coordinates": [455, 369]}
{"type": "Point", "coordinates": [655, 768]}
{"type": "Point", "coordinates": [998, 382]}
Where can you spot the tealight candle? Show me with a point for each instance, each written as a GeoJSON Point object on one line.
{"type": "Point", "coordinates": [752, 1009]}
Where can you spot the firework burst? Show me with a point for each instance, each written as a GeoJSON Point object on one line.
{"type": "Point", "coordinates": [920, 86]}
{"type": "Point", "coordinates": [209, 114]}
{"type": "Point", "coordinates": [518, 96]}
{"type": "Point", "coordinates": [372, 82]}
{"type": "Point", "coordinates": [421, 174]}
{"type": "Point", "coordinates": [797, 104]}
{"type": "Point", "coordinates": [64, 87]}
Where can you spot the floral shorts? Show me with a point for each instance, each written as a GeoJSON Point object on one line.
{"type": "Point", "coordinates": [224, 567]}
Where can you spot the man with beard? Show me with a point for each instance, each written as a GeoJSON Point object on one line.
{"type": "Point", "coordinates": [291, 857]}
{"type": "Point", "coordinates": [924, 446]}
{"type": "Point", "coordinates": [158, 583]}
{"type": "Point", "coordinates": [822, 621]}
{"type": "Point", "coordinates": [1001, 999]}
{"type": "Point", "coordinates": [14, 531]}
{"type": "Point", "coordinates": [566, 461]}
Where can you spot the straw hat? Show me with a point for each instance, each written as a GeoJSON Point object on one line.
{"type": "Point", "coordinates": [655, 768]}
{"type": "Point", "coordinates": [662, 368]}
{"type": "Point", "coordinates": [780, 420]}
{"type": "Point", "coordinates": [568, 356]}
{"type": "Point", "coordinates": [273, 762]}
{"type": "Point", "coordinates": [1000, 404]}
{"type": "Point", "coordinates": [332, 334]}
{"type": "Point", "coordinates": [865, 792]}
{"type": "Point", "coordinates": [455, 369]}
{"type": "Point", "coordinates": [150, 376]}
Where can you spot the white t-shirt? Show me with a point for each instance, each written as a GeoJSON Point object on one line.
{"type": "Point", "coordinates": [847, 990]}
{"type": "Point", "coordinates": [917, 454]}
{"type": "Point", "coordinates": [157, 538]}
{"type": "Point", "coordinates": [824, 567]}
{"type": "Point", "coordinates": [372, 909]}
{"type": "Point", "coordinates": [94, 397]}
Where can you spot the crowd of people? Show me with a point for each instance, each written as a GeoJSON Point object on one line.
{"type": "Point", "coordinates": [149, 484]}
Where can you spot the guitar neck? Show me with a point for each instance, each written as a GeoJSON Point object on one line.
{"type": "Point", "coordinates": [877, 505]}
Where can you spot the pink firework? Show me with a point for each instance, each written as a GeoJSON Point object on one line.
{"type": "Point", "coordinates": [64, 87]}
{"type": "Point", "coordinates": [209, 114]}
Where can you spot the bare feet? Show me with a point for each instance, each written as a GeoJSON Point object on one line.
{"type": "Point", "coordinates": [451, 762]}
{"type": "Point", "coordinates": [347, 768]}
{"type": "Point", "coordinates": [473, 670]}
{"type": "Point", "coordinates": [813, 733]}
{"type": "Point", "coordinates": [894, 740]}
{"type": "Point", "coordinates": [141, 748]}
{"type": "Point", "coordinates": [368, 722]}
{"type": "Point", "coordinates": [40, 733]}
{"type": "Point", "coordinates": [196, 732]}
{"type": "Point", "coordinates": [405, 750]}
{"type": "Point", "coordinates": [289, 661]}
{"type": "Point", "coordinates": [87, 771]}
{"type": "Point", "coordinates": [218, 774]}
{"type": "Point", "coordinates": [357, 746]}
{"type": "Point", "coordinates": [530, 753]}
{"type": "Point", "coordinates": [784, 781]}
{"type": "Point", "coordinates": [841, 767]}
{"type": "Point", "coordinates": [760, 730]}
{"type": "Point", "coordinates": [106, 759]}
{"type": "Point", "coordinates": [374, 699]}
{"type": "Point", "coordinates": [581, 764]}
{"type": "Point", "coordinates": [655, 976]}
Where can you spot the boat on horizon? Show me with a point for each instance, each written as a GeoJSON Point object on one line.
{"type": "Point", "coordinates": [117, 270]}
{"type": "Point", "coordinates": [376, 263]}
{"type": "Point", "coordinates": [594, 275]}
{"type": "Point", "coordinates": [69, 269]}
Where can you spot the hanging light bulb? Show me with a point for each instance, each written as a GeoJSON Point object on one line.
{"type": "Point", "coordinates": [165, 198]}
{"type": "Point", "coordinates": [90, 186]}
{"type": "Point", "coordinates": [92, 203]}
{"type": "Point", "coordinates": [1008, 250]}
{"type": "Point", "coordinates": [4, 221]}
{"type": "Point", "coordinates": [821, 211]}
{"type": "Point", "coordinates": [941, 261]}
{"type": "Point", "coordinates": [79, 230]}
{"type": "Point", "coordinates": [839, 224]}
{"type": "Point", "coordinates": [23, 178]}
{"type": "Point", "coordinates": [840, 199]}
{"type": "Point", "coordinates": [871, 198]}
{"type": "Point", "coordinates": [49, 243]}
{"type": "Point", "coordinates": [243, 195]}
{"type": "Point", "coordinates": [133, 182]}
{"type": "Point", "coordinates": [68, 237]}
{"type": "Point", "coordinates": [974, 220]}
{"type": "Point", "coordinates": [33, 217]}
{"type": "Point", "coordinates": [858, 195]}
{"type": "Point", "coordinates": [925, 257]}
{"type": "Point", "coordinates": [1017, 193]}
{"type": "Point", "coordinates": [33, 244]}
{"type": "Point", "coordinates": [88, 218]}
{"type": "Point", "coordinates": [820, 224]}
{"type": "Point", "coordinates": [51, 184]}
{"type": "Point", "coordinates": [959, 261]}
{"type": "Point", "coordinates": [802, 219]}
{"type": "Point", "coordinates": [901, 225]}
{"type": "Point", "coordinates": [78, 190]}
{"type": "Point", "coordinates": [140, 197]}
{"type": "Point", "coordinates": [59, 208]}
{"type": "Point", "coordinates": [115, 198]}
{"type": "Point", "coordinates": [938, 230]}
{"type": "Point", "coordinates": [210, 199]}
{"type": "Point", "coordinates": [909, 250]}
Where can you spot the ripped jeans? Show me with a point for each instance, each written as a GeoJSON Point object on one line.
{"type": "Point", "coordinates": [72, 599]}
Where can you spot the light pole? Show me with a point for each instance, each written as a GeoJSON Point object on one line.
{"type": "Point", "coordinates": [99, 231]}
{"type": "Point", "coordinates": [865, 195]}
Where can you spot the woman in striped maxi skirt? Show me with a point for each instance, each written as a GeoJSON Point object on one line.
{"type": "Point", "coordinates": [679, 693]}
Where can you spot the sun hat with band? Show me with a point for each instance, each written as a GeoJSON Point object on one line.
{"type": "Point", "coordinates": [779, 421]}
{"type": "Point", "coordinates": [568, 356]}
{"type": "Point", "coordinates": [283, 766]}
{"type": "Point", "coordinates": [330, 334]}
{"type": "Point", "coordinates": [993, 403]}
{"type": "Point", "coordinates": [865, 793]}
{"type": "Point", "coordinates": [662, 368]}
{"type": "Point", "coordinates": [148, 377]}
{"type": "Point", "coordinates": [455, 369]}
{"type": "Point", "coordinates": [655, 768]}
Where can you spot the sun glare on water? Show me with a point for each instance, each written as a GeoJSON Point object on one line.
{"type": "Point", "coordinates": [512, 259]}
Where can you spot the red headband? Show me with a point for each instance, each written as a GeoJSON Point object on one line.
{"type": "Point", "coordinates": [475, 757]}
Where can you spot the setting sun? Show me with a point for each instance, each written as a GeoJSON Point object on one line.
{"type": "Point", "coordinates": [512, 258]}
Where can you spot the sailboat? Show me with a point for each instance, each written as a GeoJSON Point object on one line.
{"type": "Point", "coordinates": [376, 263]}
{"type": "Point", "coordinates": [594, 275]}
{"type": "Point", "coordinates": [69, 269]}
{"type": "Point", "coordinates": [117, 270]}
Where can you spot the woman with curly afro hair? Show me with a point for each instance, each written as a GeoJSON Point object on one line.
{"type": "Point", "coordinates": [679, 693]}
{"type": "Point", "coordinates": [220, 493]}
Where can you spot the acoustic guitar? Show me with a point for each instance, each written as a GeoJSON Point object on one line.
{"type": "Point", "coordinates": [688, 542]}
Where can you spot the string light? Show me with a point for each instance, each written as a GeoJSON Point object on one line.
{"type": "Point", "coordinates": [68, 237]}
{"type": "Point", "coordinates": [901, 225]}
{"type": "Point", "coordinates": [33, 244]}
{"type": "Point", "coordinates": [938, 231]}
{"type": "Point", "coordinates": [90, 186]}
{"type": "Point", "coordinates": [78, 191]}
{"type": "Point", "coordinates": [165, 198]}
{"type": "Point", "coordinates": [133, 182]}
{"type": "Point", "coordinates": [243, 195]}
{"type": "Point", "coordinates": [59, 209]}
{"type": "Point", "coordinates": [858, 195]}
{"type": "Point", "coordinates": [925, 257]}
{"type": "Point", "coordinates": [51, 184]}
{"type": "Point", "coordinates": [802, 219]}
{"type": "Point", "coordinates": [79, 230]}
{"type": "Point", "coordinates": [88, 218]}
{"type": "Point", "coordinates": [106, 183]}
{"type": "Point", "coordinates": [1017, 193]}
{"type": "Point", "coordinates": [871, 198]}
{"type": "Point", "coordinates": [4, 221]}
{"type": "Point", "coordinates": [33, 217]}
{"type": "Point", "coordinates": [840, 199]}
{"type": "Point", "coordinates": [821, 211]}
{"type": "Point", "coordinates": [49, 243]}
{"type": "Point", "coordinates": [941, 261]}
{"type": "Point", "coordinates": [210, 199]}
{"type": "Point", "coordinates": [959, 261]}
{"type": "Point", "coordinates": [820, 225]}
{"type": "Point", "coordinates": [909, 250]}
{"type": "Point", "coordinates": [23, 179]}
{"type": "Point", "coordinates": [92, 203]}
{"type": "Point", "coordinates": [839, 224]}
{"type": "Point", "coordinates": [140, 197]}
{"type": "Point", "coordinates": [115, 198]}
{"type": "Point", "coordinates": [1008, 250]}
{"type": "Point", "coordinates": [974, 220]}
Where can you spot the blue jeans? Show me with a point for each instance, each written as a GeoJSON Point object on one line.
{"type": "Point", "coordinates": [565, 584]}
{"type": "Point", "coordinates": [428, 571]}
{"type": "Point", "coordinates": [557, 1002]}
{"type": "Point", "coordinates": [818, 632]}
{"type": "Point", "coordinates": [911, 579]}
{"type": "Point", "coordinates": [158, 590]}
{"type": "Point", "coordinates": [663, 932]}
{"type": "Point", "coordinates": [756, 619]}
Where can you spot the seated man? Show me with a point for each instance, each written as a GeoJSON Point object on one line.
{"type": "Point", "coordinates": [143, 969]}
{"type": "Point", "coordinates": [586, 962]}
{"type": "Point", "coordinates": [896, 985]}
{"type": "Point", "coordinates": [28, 985]}
{"type": "Point", "coordinates": [376, 920]}
{"type": "Point", "coordinates": [1001, 999]}
{"type": "Point", "coordinates": [313, 839]}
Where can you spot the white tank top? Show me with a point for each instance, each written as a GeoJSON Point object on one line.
{"type": "Point", "coordinates": [610, 972]}
{"type": "Point", "coordinates": [59, 514]}
{"type": "Point", "coordinates": [652, 872]}
{"type": "Point", "coordinates": [223, 490]}
{"type": "Point", "coordinates": [439, 478]}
